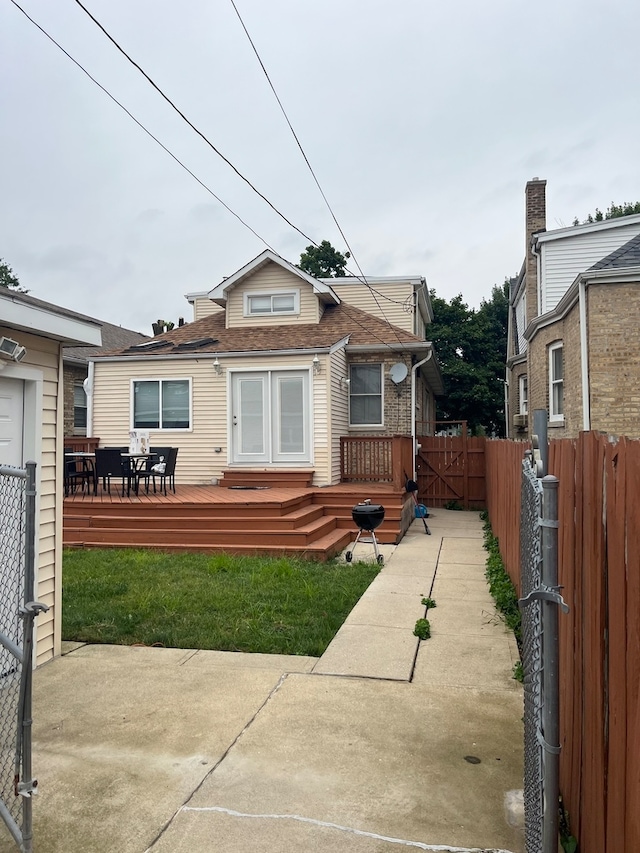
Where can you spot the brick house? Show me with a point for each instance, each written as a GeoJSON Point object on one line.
{"type": "Point", "coordinates": [573, 342]}
{"type": "Point", "coordinates": [275, 369]}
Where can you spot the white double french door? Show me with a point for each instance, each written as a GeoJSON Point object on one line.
{"type": "Point", "coordinates": [270, 418]}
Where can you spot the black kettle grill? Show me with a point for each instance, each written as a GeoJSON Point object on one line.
{"type": "Point", "coordinates": [367, 516]}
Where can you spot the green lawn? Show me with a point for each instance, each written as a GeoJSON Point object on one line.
{"type": "Point", "coordinates": [195, 601]}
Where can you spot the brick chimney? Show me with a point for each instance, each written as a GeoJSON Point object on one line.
{"type": "Point", "coordinates": [535, 220]}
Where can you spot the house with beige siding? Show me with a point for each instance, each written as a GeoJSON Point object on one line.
{"type": "Point", "coordinates": [573, 342]}
{"type": "Point", "coordinates": [32, 428]}
{"type": "Point", "coordinates": [275, 368]}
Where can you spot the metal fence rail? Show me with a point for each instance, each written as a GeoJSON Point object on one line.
{"type": "Point", "coordinates": [540, 654]}
{"type": "Point", "coordinates": [17, 612]}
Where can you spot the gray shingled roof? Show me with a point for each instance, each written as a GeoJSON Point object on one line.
{"type": "Point", "coordinates": [209, 335]}
{"type": "Point", "coordinates": [113, 337]}
{"type": "Point", "coordinates": [627, 255]}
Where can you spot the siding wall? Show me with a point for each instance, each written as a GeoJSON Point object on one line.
{"type": "Point", "coordinates": [204, 307]}
{"type": "Point", "coordinates": [198, 462]}
{"type": "Point", "coordinates": [339, 409]}
{"type": "Point", "coordinates": [566, 258]}
{"type": "Point", "coordinates": [360, 296]}
{"type": "Point", "coordinates": [271, 278]}
{"type": "Point", "coordinates": [45, 355]}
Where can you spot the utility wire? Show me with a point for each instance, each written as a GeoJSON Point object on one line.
{"type": "Point", "coordinates": [173, 156]}
{"type": "Point", "coordinates": [141, 126]}
{"type": "Point", "coordinates": [362, 276]}
{"type": "Point", "coordinates": [190, 123]}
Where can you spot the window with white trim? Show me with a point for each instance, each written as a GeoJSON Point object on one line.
{"type": "Point", "coordinates": [279, 302]}
{"type": "Point", "coordinates": [523, 395]}
{"type": "Point", "coordinates": [556, 382]}
{"type": "Point", "coordinates": [161, 404]}
{"type": "Point", "coordinates": [79, 409]}
{"type": "Point", "coordinates": [365, 395]}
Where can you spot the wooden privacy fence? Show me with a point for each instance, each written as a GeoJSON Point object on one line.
{"type": "Point", "coordinates": [599, 570]}
{"type": "Point", "coordinates": [451, 469]}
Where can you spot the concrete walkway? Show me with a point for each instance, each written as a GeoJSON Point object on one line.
{"type": "Point", "coordinates": [384, 742]}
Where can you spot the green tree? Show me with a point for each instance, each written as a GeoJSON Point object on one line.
{"type": "Point", "coordinates": [614, 211]}
{"type": "Point", "coordinates": [8, 279]}
{"type": "Point", "coordinates": [471, 347]}
{"type": "Point", "coordinates": [324, 261]}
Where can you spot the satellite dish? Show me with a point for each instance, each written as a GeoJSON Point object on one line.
{"type": "Point", "coordinates": [398, 372]}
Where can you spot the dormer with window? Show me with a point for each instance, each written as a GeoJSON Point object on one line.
{"type": "Point", "coordinates": [272, 291]}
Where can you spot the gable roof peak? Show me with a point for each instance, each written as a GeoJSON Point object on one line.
{"type": "Point", "coordinates": [219, 292]}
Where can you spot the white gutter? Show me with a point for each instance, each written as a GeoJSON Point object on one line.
{"type": "Point", "coordinates": [413, 409]}
{"type": "Point", "coordinates": [584, 355]}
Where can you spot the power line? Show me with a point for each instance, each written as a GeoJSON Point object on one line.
{"type": "Point", "coordinates": [175, 158]}
{"type": "Point", "coordinates": [141, 126]}
{"type": "Point", "coordinates": [190, 123]}
{"type": "Point", "coordinates": [363, 278]}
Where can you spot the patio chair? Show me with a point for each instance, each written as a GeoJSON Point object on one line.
{"type": "Point", "coordinates": [169, 471]}
{"type": "Point", "coordinates": [76, 471]}
{"type": "Point", "coordinates": [109, 463]}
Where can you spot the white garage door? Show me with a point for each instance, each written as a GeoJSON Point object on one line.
{"type": "Point", "coordinates": [11, 421]}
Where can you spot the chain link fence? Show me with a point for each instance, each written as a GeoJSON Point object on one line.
{"type": "Point", "coordinates": [17, 613]}
{"type": "Point", "coordinates": [540, 652]}
{"type": "Point", "coordinates": [530, 578]}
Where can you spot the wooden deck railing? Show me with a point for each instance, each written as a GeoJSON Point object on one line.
{"type": "Point", "coordinates": [81, 444]}
{"type": "Point", "coordinates": [376, 459]}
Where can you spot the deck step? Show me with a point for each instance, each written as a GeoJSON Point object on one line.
{"type": "Point", "coordinates": [323, 549]}
{"type": "Point", "coordinates": [312, 521]}
{"type": "Point", "coordinates": [246, 479]}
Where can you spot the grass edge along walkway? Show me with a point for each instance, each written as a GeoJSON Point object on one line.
{"type": "Point", "coordinates": [269, 605]}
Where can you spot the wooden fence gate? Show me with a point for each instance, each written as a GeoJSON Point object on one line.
{"type": "Point", "coordinates": [451, 469]}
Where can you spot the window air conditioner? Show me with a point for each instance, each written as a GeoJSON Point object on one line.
{"type": "Point", "coordinates": [520, 421]}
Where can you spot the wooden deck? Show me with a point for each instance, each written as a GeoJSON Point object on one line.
{"type": "Point", "coordinates": [314, 522]}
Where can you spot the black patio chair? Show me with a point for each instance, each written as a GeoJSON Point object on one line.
{"type": "Point", "coordinates": [77, 471]}
{"type": "Point", "coordinates": [109, 463]}
{"type": "Point", "coordinates": [169, 470]}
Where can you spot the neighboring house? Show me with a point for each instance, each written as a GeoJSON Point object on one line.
{"type": "Point", "coordinates": [276, 368]}
{"type": "Point", "coordinates": [31, 428]}
{"type": "Point", "coordinates": [573, 345]}
{"type": "Point", "coordinates": [76, 368]}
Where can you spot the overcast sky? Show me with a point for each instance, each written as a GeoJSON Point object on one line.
{"type": "Point", "coordinates": [422, 120]}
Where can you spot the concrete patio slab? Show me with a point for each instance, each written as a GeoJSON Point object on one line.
{"type": "Point", "coordinates": [323, 751]}
{"type": "Point", "coordinates": [370, 651]}
{"type": "Point", "coordinates": [469, 661]}
{"type": "Point", "coordinates": [462, 589]}
{"type": "Point", "coordinates": [465, 617]}
{"type": "Point", "coordinates": [459, 550]}
{"type": "Point", "coordinates": [206, 659]}
{"type": "Point", "coordinates": [174, 750]}
{"type": "Point", "coordinates": [387, 610]}
{"type": "Point", "coordinates": [122, 736]}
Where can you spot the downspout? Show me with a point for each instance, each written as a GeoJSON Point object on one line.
{"type": "Point", "coordinates": [584, 355]}
{"type": "Point", "coordinates": [538, 256]}
{"type": "Point", "coordinates": [88, 390]}
{"type": "Point", "coordinates": [413, 409]}
{"type": "Point", "coordinates": [506, 404]}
